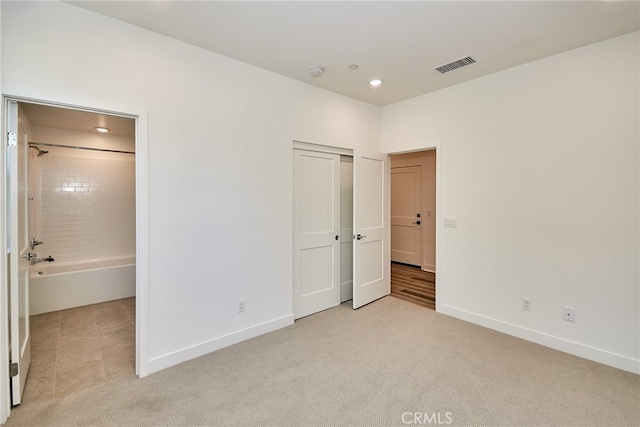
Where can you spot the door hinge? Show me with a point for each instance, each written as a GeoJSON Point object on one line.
{"type": "Point", "coordinates": [12, 139]}
{"type": "Point", "coordinates": [13, 370]}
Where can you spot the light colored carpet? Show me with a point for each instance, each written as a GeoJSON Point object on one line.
{"type": "Point", "coordinates": [366, 367]}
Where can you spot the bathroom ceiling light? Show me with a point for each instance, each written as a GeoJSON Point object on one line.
{"type": "Point", "coordinates": [102, 130]}
{"type": "Point", "coordinates": [375, 82]}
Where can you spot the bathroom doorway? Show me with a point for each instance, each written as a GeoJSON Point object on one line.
{"type": "Point", "coordinates": [79, 180]}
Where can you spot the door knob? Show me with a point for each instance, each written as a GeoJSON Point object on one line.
{"type": "Point", "coordinates": [337, 237]}
{"type": "Point", "coordinates": [417, 222]}
{"type": "Point", "coordinates": [360, 237]}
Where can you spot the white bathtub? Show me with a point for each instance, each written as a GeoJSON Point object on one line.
{"type": "Point", "coordinates": [58, 286]}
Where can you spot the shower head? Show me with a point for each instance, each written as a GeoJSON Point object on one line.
{"type": "Point", "coordinates": [40, 152]}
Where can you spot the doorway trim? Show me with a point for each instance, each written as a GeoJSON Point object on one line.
{"type": "Point", "coordinates": [140, 115]}
{"type": "Point", "coordinates": [438, 149]}
{"type": "Point", "coordinates": [309, 146]}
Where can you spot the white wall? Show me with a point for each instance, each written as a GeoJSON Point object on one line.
{"type": "Point", "coordinates": [219, 156]}
{"type": "Point", "coordinates": [539, 165]}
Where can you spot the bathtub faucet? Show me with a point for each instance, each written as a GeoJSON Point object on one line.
{"type": "Point", "coordinates": [36, 260]}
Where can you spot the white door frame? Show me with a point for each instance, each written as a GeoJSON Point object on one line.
{"type": "Point", "coordinates": [438, 149]}
{"type": "Point", "coordinates": [142, 233]}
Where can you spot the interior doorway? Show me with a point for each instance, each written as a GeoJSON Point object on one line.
{"type": "Point", "coordinates": [413, 208]}
{"type": "Point", "coordinates": [413, 226]}
{"type": "Point", "coordinates": [407, 214]}
{"type": "Point", "coordinates": [75, 304]}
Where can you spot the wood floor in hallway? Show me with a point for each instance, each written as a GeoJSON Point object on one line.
{"type": "Point", "coordinates": [414, 285]}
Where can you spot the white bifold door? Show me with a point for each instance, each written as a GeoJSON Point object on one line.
{"type": "Point", "coordinates": [17, 226]}
{"type": "Point", "coordinates": [318, 231]}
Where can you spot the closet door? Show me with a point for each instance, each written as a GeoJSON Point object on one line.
{"type": "Point", "coordinates": [370, 222]}
{"type": "Point", "coordinates": [316, 232]}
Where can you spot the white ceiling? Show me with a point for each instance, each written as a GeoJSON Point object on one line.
{"type": "Point", "coordinates": [397, 41]}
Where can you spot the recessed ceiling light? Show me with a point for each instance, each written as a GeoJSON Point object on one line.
{"type": "Point", "coordinates": [375, 82]}
{"type": "Point", "coordinates": [102, 130]}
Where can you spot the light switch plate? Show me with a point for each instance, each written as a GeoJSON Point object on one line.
{"type": "Point", "coordinates": [450, 223]}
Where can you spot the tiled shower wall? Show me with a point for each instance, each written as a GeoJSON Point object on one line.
{"type": "Point", "coordinates": [84, 203]}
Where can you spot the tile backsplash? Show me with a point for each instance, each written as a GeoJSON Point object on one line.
{"type": "Point", "coordinates": [84, 204]}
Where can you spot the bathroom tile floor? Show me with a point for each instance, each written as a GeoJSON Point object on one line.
{"type": "Point", "coordinates": [80, 347]}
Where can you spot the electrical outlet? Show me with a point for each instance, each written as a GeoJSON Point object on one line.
{"type": "Point", "coordinates": [569, 314]}
{"type": "Point", "coordinates": [241, 306]}
{"type": "Point", "coordinates": [526, 304]}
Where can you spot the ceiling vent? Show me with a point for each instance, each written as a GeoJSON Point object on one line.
{"type": "Point", "coordinates": [455, 65]}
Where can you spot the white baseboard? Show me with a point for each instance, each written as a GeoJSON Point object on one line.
{"type": "Point", "coordinates": [428, 267]}
{"type": "Point", "coordinates": [180, 356]}
{"type": "Point", "coordinates": [577, 349]}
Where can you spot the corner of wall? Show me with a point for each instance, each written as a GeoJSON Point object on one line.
{"type": "Point", "coordinates": [494, 150]}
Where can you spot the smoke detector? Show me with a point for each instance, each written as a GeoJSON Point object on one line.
{"type": "Point", "coordinates": [316, 71]}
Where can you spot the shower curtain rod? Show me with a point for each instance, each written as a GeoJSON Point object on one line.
{"type": "Point", "coordinates": [46, 144]}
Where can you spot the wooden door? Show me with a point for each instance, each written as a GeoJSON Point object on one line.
{"type": "Point", "coordinates": [406, 217]}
